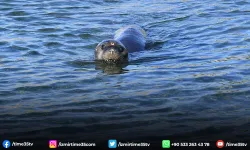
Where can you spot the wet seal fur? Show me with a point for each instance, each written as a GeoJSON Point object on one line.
{"type": "Point", "coordinates": [126, 40]}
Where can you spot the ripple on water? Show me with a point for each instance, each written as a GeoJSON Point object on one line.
{"type": "Point", "coordinates": [69, 35]}
{"type": "Point", "coordinates": [53, 44]}
{"type": "Point", "coordinates": [49, 30]}
{"type": "Point", "coordinates": [3, 29]}
{"type": "Point", "coordinates": [18, 48]}
{"type": "Point", "coordinates": [32, 53]}
{"type": "Point", "coordinates": [85, 35]}
{"type": "Point", "coordinates": [3, 43]}
{"type": "Point", "coordinates": [18, 13]}
{"type": "Point", "coordinates": [69, 52]}
{"type": "Point", "coordinates": [80, 63]}
{"type": "Point", "coordinates": [24, 19]}
{"type": "Point", "coordinates": [34, 88]}
{"type": "Point", "coordinates": [12, 69]}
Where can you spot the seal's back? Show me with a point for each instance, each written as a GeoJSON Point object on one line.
{"type": "Point", "coordinates": [132, 37]}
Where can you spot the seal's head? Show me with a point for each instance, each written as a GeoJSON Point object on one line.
{"type": "Point", "coordinates": [111, 51]}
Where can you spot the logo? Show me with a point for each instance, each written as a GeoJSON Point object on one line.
{"type": "Point", "coordinates": [6, 144]}
{"type": "Point", "coordinates": [165, 143]}
{"type": "Point", "coordinates": [52, 143]}
{"type": "Point", "coordinates": [220, 143]}
{"type": "Point", "coordinates": [112, 143]}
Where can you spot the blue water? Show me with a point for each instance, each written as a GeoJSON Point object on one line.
{"type": "Point", "coordinates": [192, 79]}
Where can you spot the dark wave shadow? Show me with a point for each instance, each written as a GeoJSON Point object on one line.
{"type": "Point", "coordinates": [152, 44]}
{"type": "Point", "coordinates": [111, 68]}
{"type": "Point", "coordinates": [99, 65]}
{"type": "Point", "coordinates": [33, 53]}
{"type": "Point", "coordinates": [80, 63]}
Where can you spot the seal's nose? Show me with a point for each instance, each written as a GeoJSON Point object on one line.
{"type": "Point", "coordinates": [112, 51]}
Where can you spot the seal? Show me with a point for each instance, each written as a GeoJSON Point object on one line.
{"type": "Point", "coordinates": [126, 40]}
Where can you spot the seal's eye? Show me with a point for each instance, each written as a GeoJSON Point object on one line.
{"type": "Point", "coordinates": [103, 46]}
{"type": "Point", "coordinates": [121, 49]}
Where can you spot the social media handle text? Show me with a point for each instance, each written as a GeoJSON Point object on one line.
{"type": "Point", "coordinates": [74, 144]}
{"type": "Point", "coordinates": [133, 144]}
{"type": "Point", "coordinates": [7, 144]}
{"type": "Point", "coordinates": [20, 144]}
